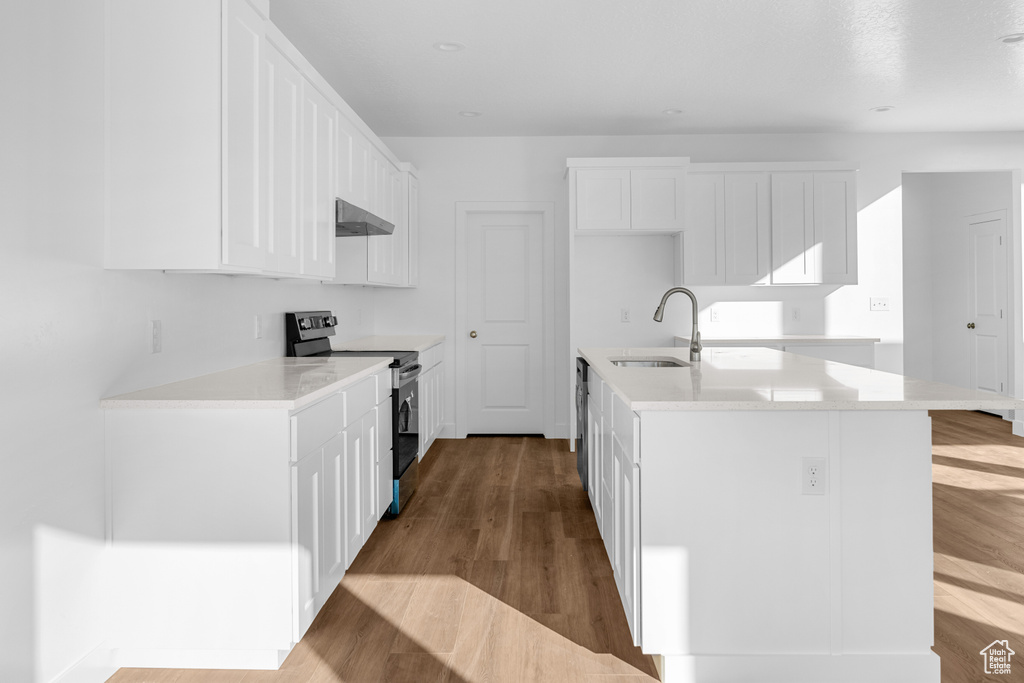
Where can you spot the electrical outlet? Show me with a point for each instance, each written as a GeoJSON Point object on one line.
{"type": "Point", "coordinates": [258, 326]}
{"type": "Point", "coordinates": [714, 314]}
{"type": "Point", "coordinates": [796, 313]}
{"type": "Point", "coordinates": [156, 336]}
{"type": "Point", "coordinates": [625, 315]}
{"type": "Point", "coordinates": [815, 476]}
{"type": "Point", "coordinates": [879, 303]}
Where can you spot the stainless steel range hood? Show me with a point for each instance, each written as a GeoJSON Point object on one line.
{"type": "Point", "coordinates": [351, 221]}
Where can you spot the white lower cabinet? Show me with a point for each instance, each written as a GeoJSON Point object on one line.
{"type": "Point", "coordinates": [230, 528]}
{"type": "Point", "coordinates": [614, 480]}
{"type": "Point", "coordinates": [431, 396]}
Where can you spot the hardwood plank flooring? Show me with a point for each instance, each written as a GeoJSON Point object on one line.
{"type": "Point", "coordinates": [978, 511]}
{"type": "Point", "coordinates": [496, 572]}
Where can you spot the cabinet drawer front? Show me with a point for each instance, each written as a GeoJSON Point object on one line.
{"type": "Point", "coordinates": [624, 423]}
{"type": "Point", "coordinates": [594, 391]}
{"type": "Point", "coordinates": [432, 356]}
{"type": "Point", "coordinates": [383, 386]}
{"type": "Point", "coordinates": [314, 426]}
{"type": "Point", "coordinates": [360, 399]}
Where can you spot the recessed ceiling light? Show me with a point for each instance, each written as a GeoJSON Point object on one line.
{"type": "Point", "coordinates": [885, 107]}
{"type": "Point", "coordinates": [673, 112]}
{"type": "Point", "coordinates": [470, 114]}
{"type": "Point", "coordinates": [449, 47]}
{"type": "Point", "coordinates": [1012, 38]}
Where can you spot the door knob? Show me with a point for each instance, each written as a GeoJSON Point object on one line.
{"type": "Point", "coordinates": [970, 326]}
{"type": "Point", "coordinates": [473, 334]}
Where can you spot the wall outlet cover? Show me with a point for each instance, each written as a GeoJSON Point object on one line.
{"type": "Point", "coordinates": [879, 303]}
{"type": "Point", "coordinates": [814, 476]}
{"type": "Point", "coordinates": [156, 335]}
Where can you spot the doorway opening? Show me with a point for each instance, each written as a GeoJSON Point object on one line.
{"type": "Point", "coordinates": [962, 281]}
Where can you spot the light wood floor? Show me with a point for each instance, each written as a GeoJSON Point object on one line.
{"type": "Point", "coordinates": [496, 572]}
{"type": "Point", "coordinates": [978, 503]}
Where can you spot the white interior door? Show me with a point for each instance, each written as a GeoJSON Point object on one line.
{"type": "Point", "coordinates": [986, 314]}
{"type": "Point", "coordinates": [505, 319]}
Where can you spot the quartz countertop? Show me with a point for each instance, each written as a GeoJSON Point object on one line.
{"type": "Point", "coordinates": [288, 383]}
{"type": "Point", "coordinates": [780, 340]}
{"type": "Point", "coordinates": [766, 379]}
{"type": "Point", "coordinates": [399, 342]}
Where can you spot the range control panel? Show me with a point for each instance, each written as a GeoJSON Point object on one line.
{"type": "Point", "coordinates": [306, 325]}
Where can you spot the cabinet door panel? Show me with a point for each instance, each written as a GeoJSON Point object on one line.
{"type": "Point", "coordinates": [243, 234]}
{"type": "Point", "coordinates": [306, 483]}
{"type": "Point", "coordinates": [370, 469]}
{"type": "Point", "coordinates": [413, 222]}
{"type": "Point", "coordinates": [835, 225]}
{"type": "Point", "coordinates": [281, 161]}
{"type": "Point", "coordinates": [602, 199]}
{"type": "Point", "coordinates": [703, 248]}
{"type": "Point", "coordinates": [631, 548]}
{"type": "Point", "coordinates": [747, 219]}
{"type": "Point", "coordinates": [334, 546]}
{"type": "Point", "coordinates": [353, 492]}
{"type": "Point", "coordinates": [656, 201]}
{"type": "Point", "coordinates": [319, 135]}
{"type": "Point", "coordinates": [595, 482]}
{"type": "Point", "coordinates": [795, 251]}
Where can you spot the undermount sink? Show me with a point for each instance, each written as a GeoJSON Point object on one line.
{"type": "Point", "coordinates": [648, 363]}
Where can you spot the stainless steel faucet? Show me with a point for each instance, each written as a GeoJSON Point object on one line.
{"type": "Point", "coordinates": [695, 346]}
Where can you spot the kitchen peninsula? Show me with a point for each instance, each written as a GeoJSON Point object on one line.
{"type": "Point", "coordinates": [767, 514]}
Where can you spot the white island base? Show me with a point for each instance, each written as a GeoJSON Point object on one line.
{"type": "Point", "coordinates": [745, 577]}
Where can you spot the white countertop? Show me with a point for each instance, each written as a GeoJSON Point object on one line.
{"type": "Point", "coordinates": [399, 342]}
{"type": "Point", "coordinates": [781, 340]}
{"type": "Point", "coordinates": [288, 383]}
{"type": "Point", "coordinates": [766, 379]}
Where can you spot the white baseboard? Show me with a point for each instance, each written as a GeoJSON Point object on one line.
{"type": "Point", "coordinates": [1018, 427]}
{"type": "Point", "coordinates": [200, 659]}
{"type": "Point", "coordinates": [906, 668]}
{"type": "Point", "coordinates": [95, 667]}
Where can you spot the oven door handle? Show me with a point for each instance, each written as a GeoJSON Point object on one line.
{"type": "Point", "coordinates": [411, 372]}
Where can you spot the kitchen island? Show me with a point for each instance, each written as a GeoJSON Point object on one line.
{"type": "Point", "coordinates": [767, 514]}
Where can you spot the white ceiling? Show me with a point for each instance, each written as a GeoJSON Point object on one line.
{"type": "Point", "coordinates": [595, 67]}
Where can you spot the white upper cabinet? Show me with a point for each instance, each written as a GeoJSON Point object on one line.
{"type": "Point", "coordinates": [835, 224]}
{"type": "Point", "coordinates": [623, 195]}
{"type": "Point", "coordinates": [702, 256]}
{"type": "Point", "coordinates": [319, 134]}
{"type": "Point", "coordinates": [656, 199]}
{"type": "Point", "coordinates": [385, 260]}
{"type": "Point", "coordinates": [244, 234]}
{"type": "Point", "coordinates": [282, 153]}
{"type": "Point", "coordinates": [814, 228]}
{"type": "Point", "coordinates": [796, 254]}
{"type": "Point", "coordinates": [786, 223]}
{"type": "Point", "coordinates": [747, 228]}
{"type": "Point", "coordinates": [227, 149]}
{"type": "Point", "coordinates": [603, 199]}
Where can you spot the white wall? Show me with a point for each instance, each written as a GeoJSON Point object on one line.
{"type": "Point", "coordinates": [532, 169]}
{"type": "Point", "coordinates": [72, 333]}
{"type": "Point", "coordinates": [935, 205]}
